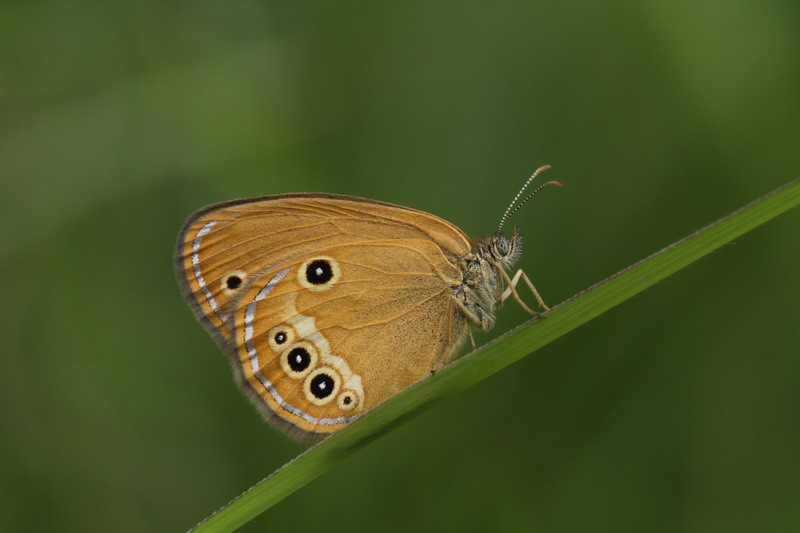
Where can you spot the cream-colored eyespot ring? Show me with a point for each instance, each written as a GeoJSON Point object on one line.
{"type": "Point", "coordinates": [319, 273]}
{"type": "Point", "coordinates": [232, 282]}
{"type": "Point", "coordinates": [348, 400]}
{"type": "Point", "coordinates": [322, 385]}
{"type": "Point", "coordinates": [298, 359]}
{"type": "Point", "coordinates": [280, 337]}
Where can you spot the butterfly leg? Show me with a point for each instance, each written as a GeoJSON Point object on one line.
{"type": "Point", "coordinates": [534, 291]}
{"type": "Point", "coordinates": [472, 316]}
{"type": "Point", "coordinates": [511, 290]}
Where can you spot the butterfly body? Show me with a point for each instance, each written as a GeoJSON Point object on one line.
{"type": "Point", "coordinates": [329, 305]}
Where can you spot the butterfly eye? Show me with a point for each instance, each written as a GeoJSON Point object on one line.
{"type": "Point", "coordinates": [321, 385]}
{"type": "Point", "coordinates": [502, 245]}
{"type": "Point", "coordinates": [348, 400]}
{"type": "Point", "coordinates": [280, 337]}
{"type": "Point", "coordinates": [319, 273]}
{"type": "Point", "coordinates": [233, 281]}
{"type": "Point", "coordinates": [298, 359]}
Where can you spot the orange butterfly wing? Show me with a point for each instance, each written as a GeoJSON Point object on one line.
{"type": "Point", "coordinates": [318, 352]}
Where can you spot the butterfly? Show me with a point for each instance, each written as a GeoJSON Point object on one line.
{"type": "Point", "coordinates": [328, 305]}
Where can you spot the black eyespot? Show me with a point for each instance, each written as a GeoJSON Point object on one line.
{"type": "Point", "coordinates": [299, 359]}
{"type": "Point", "coordinates": [281, 338]}
{"type": "Point", "coordinates": [347, 400]}
{"type": "Point", "coordinates": [232, 282]}
{"type": "Point", "coordinates": [321, 386]}
{"type": "Point", "coordinates": [319, 272]}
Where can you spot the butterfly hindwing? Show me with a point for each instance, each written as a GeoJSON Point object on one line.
{"type": "Point", "coordinates": [322, 339]}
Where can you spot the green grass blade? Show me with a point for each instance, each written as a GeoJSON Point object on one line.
{"type": "Point", "coordinates": [498, 354]}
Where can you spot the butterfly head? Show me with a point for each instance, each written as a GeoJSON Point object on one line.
{"type": "Point", "coordinates": [505, 251]}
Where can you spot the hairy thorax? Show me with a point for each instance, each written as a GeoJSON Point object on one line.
{"type": "Point", "coordinates": [480, 292]}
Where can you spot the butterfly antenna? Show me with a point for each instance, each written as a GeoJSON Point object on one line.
{"type": "Point", "coordinates": [513, 207]}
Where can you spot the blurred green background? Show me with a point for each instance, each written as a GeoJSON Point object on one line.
{"type": "Point", "coordinates": [677, 411]}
